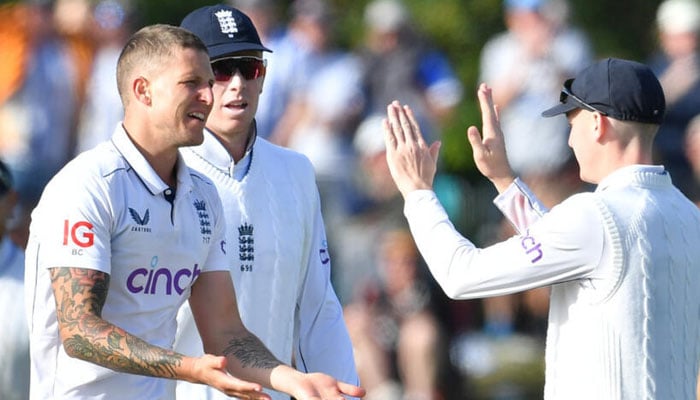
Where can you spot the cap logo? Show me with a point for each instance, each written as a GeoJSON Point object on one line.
{"type": "Point", "coordinates": [226, 22]}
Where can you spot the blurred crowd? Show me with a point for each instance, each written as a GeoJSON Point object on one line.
{"type": "Point", "coordinates": [58, 97]}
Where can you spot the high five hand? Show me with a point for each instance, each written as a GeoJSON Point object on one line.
{"type": "Point", "coordinates": [412, 162]}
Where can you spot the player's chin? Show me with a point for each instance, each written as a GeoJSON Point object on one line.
{"type": "Point", "coordinates": [194, 135]}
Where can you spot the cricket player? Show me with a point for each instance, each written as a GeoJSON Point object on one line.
{"type": "Point", "coordinates": [623, 262]}
{"type": "Point", "coordinates": [273, 215]}
{"type": "Point", "coordinates": [125, 234]}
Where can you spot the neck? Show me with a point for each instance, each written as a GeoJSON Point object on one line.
{"type": "Point", "coordinates": [162, 158]}
{"type": "Point", "coordinates": [236, 143]}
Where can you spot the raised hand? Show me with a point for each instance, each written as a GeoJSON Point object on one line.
{"type": "Point", "coordinates": [412, 162]}
{"type": "Point", "coordinates": [490, 150]}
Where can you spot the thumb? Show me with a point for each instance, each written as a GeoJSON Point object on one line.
{"type": "Point", "coordinates": [474, 138]}
{"type": "Point", "coordinates": [435, 150]}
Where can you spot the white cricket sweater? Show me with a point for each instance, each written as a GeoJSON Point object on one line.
{"type": "Point", "coordinates": [624, 265]}
{"type": "Point", "coordinates": [281, 264]}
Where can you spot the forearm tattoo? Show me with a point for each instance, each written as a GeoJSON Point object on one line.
{"type": "Point", "coordinates": [80, 296]}
{"type": "Point", "coordinates": [251, 353]}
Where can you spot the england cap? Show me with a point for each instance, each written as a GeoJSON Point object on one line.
{"type": "Point", "coordinates": [224, 30]}
{"type": "Point", "coordinates": [624, 90]}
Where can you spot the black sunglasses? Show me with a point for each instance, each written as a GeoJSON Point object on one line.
{"type": "Point", "coordinates": [249, 67]}
{"type": "Point", "coordinates": [566, 92]}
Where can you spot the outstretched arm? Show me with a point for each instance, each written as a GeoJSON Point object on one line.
{"type": "Point", "coordinates": [215, 310]}
{"type": "Point", "coordinates": [80, 296]}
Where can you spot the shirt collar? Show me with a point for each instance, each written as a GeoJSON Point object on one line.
{"type": "Point", "coordinates": [647, 174]}
{"type": "Point", "coordinates": [125, 146]}
{"type": "Point", "coordinates": [216, 154]}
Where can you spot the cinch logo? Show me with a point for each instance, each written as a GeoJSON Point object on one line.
{"type": "Point", "coordinates": [80, 233]}
{"type": "Point", "coordinates": [161, 280]}
{"type": "Point", "coordinates": [531, 246]}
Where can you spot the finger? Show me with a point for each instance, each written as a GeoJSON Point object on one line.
{"type": "Point", "coordinates": [435, 150]}
{"type": "Point", "coordinates": [474, 137]}
{"type": "Point", "coordinates": [389, 138]}
{"type": "Point", "coordinates": [414, 127]}
{"type": "Point", "coordinates": [488, 111]}
{"type": "Point", "coordinates": [351, 390]}
{"type": "Point", "coordinates": [392, 112]}
{"type": "Point", "coordinates": [409, 134]}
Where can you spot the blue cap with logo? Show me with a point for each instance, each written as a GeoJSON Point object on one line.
{"type": "Point", "coordinates": [224, 30]}
{"type": "Point", "coordinates": [622, 89]}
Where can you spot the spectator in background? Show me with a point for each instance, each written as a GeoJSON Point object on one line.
{"type": "Point", "coordinates": [102, 109]}
{"type": "Point", "coordinates": [525, 65]}
{"type": "Point", "coordinates": [399, 348]}
{"type": "Point", "coordinates": [38, 109]}
{"type": "Point", "coordinates": [396, 63]}
{"type": "Point", "coordinates": [322, 114]}
{"type": "Point", "coordinates": [376, 208]}
{"type": "Point", "coordinates": [14, 342]}
{"type": "Point", "coordinates": [281, 79]}
{"type": "Point", "coordinates": [677, 65]}
{"type": "Point", "coordinates": [399, 63]}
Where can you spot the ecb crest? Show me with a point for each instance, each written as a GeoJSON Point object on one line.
{"type": "Point", "coordinates": [246, 249]}
{"type": "Point", "coordinates": [227, 22]}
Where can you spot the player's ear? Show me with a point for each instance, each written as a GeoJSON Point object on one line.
{"type": "Point", "coordinates": [142, 91]}
{"type": "Point", "coordinates": [602, 126]}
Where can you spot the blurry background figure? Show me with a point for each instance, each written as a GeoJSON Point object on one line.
{"type": "Point", "coordinates": [396, 62]}
{"type": "Point", "coordinates": [399, 346]}
{"type": "Point", "coordinates": [283, 64]}
{"type": "Point", "coordinates": [525, 66]}
{"type": "Point", "coordinates": [399, 63]}
{"type": "Point", "coordinates": [102, 109]}
{"type": "Point", "coordinates": [692, 154]}
{"type": "Point", "coordinates": [44, 49]}
{"type": "Point", "coordinates": [375, 208]}
{"type": "Point", "coordinates": [14, 341]}
{"type": "Point", "coordinates": [322, 114]}
{"type": "Point", "coordinates": [678, 68]}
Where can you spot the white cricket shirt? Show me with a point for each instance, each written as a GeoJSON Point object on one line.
{"type": "Point", "coordinates": [623, 263]}
{"type": "Point", "coordinates": [108, 210]}
{"type": "Point", "coordinates": [281, 266]}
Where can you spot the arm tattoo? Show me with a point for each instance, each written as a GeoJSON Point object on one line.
{"type": "Point", "coordinates": [80, 296]}
{"type": "Point", "coordinates": [250, 351]}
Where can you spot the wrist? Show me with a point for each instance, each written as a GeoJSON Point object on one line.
{"type": "Point", "coordinates": [284, 378]}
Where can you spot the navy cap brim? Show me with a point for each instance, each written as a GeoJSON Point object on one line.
{"type": "Point", "coordinates": [561, 108]}
{"type": "Point", "coordinates": [226, 49]}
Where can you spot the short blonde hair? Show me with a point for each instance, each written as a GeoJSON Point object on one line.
{"type": "Point", "coordinates": [148, 48]}
{"type": "Point", "coordinates": [627, 130]}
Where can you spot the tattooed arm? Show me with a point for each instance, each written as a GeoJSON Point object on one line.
{"type": "Point", "coordinates": [80, 295]}
{"type": "Point", "coordinates": [215, 310]}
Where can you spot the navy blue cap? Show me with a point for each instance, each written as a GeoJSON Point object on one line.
{"type": "Point", "coordinates": [624, 90]}
{"type": "Point", "coordinates": [224, 30]}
